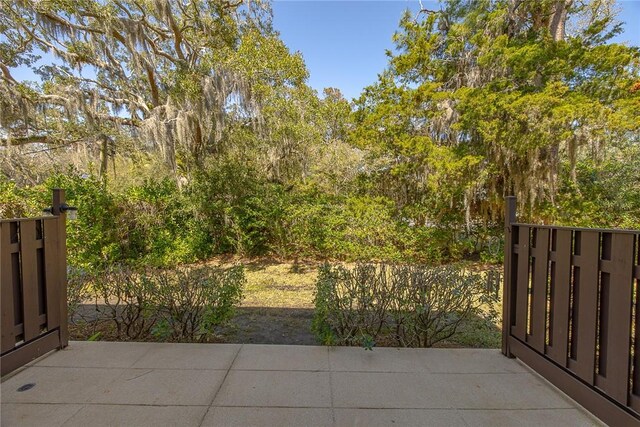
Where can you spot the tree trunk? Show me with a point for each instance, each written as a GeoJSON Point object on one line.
{"type": "Point", "coordinates": [104, 156]}
{"type": "Point", "coordinates": [559, 19]}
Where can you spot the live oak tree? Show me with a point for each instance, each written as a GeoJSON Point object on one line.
{"type": "Point", "coordinates": [160, 72]}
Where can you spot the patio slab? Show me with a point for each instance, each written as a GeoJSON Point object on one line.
{"type": "Point", "coordinates": [188, 356]}
{"type": "Point", "coordinates": [146, 384]}
{"type": "Point", "coordinates": [469, 361]}
{"type": "Point", "coordinates": [504, 391]}
{"type": "Point", "coordinates": [399, 417]}
{"type": "Point", "coordinates": [268, 417]}
{"type": "Point", "coordinates": [390, 390]}
{"type": "Point", "coordinates": [57, 385]}
{"type": "Point", "coordinates": [36, 414]}
{"type": "Point", "coordinates": [97, 355]}
{"type": "Point", "coordinates": [161, 387]}
{"type": "Point", "coordinates": [354, 359]}
{"type": "Point", "coordinates": [135, 415]}
{"type": "Point", "coordinates": [275, 389]}
{"type": "Point", "coordinates": [282, 358]}
{"type": "Point", "coordinates": [528, 418]}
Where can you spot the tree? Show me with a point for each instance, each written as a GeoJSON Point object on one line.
{"type": "Point", "coordinates": [158, 71]}
{"type": "Point", "coordinates": [487, 98]}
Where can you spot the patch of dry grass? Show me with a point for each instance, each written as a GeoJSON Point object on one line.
{"type": "Point", "coordinates": [276, 283]}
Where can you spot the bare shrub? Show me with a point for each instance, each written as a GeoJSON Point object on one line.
{"type": "Point", "coordinates": [192, 301]}
{"type": "Point", "coordinates": [181, 304]}
{"type": "Point", "coordinates": [351, 305]}
{"type": "Point", "coordinates": [128, 299]}
{"type": "Point", "coordinates": [413, 306]}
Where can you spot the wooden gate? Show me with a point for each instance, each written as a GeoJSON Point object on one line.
{"type": "Point", "coordinates": [572, 312]}
{"type": "Point", "coordinates": [33, 277]}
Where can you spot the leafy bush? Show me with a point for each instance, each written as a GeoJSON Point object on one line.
{"type": "Point", "coordinates": [15, 202]}
{"type": "Point", "coordinates": [226, 207]}
{"type": "Point", "coordinates": [239, 210]}
{"type": "Point", "coordinates": [182, 304]}
{"type": "Point", "coordinates": [411, 306]}
{"type": "Point", "coordinates": [150, 223]}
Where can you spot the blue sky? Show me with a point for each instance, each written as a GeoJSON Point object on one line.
{"type": "Point", "coordinates": [344, 42]}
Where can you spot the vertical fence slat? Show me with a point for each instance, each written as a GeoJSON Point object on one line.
{"type": "Point", "coordinates": [615, 326]}
{"type": "Point", "coordinates": [509, 274]}
{"type": "Point", "coordinates": [586, 305]}
{"type": "Point", "coordinates": [558, 348]}
{"type": "Point", "coordinates": [635, 390]}
{"type": "Point", "coordinates": [58, 200]}
{"type": "Point", "coordinates": [8, 340]}
{"type": "Point", "coordinates": [522, 286]}
{"type": "Point", "coordinates": [29, 279]}
{"type": "Point", "coordinates": [539, 282]}
{"type": "Point", "coordinates": [52, 280]}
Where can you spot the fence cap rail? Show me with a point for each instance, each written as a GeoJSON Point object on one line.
{"type": "Point", "coordinates": [558, 227]}
{"type": "Point", "coordinates": [37, 218]}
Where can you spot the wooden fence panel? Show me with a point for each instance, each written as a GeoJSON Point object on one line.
{"type": "Point", "coordinates": [33, 285]}
{"type": "Point", "coordinates": [577, 313]}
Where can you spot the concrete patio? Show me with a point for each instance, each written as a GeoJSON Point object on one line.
{"type": "Point", "coordinates": [139, 384]}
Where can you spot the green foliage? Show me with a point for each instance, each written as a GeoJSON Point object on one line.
{"type": "Point", "coordinates": [238, 209]}
{"type": "Point", "coordinates": [410, 306]}
{"type": "Point", "coordinates": [480, 100]}
{"type": "Point", "coordinates": [235, 153]}
{"type": "Point", "coordinates": [96, 237]}
{"type": "Point", "coordinates": [151, 223]}
{"type": "Point", "coordinates": [15, 202]}
{"type": "Point", "coordinates": [606, 192]}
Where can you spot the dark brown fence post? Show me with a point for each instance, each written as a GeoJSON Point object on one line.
{"type": "Point", "coordinates": [58, 201]}
{"type": "Point", "coordinates": [509, 218]}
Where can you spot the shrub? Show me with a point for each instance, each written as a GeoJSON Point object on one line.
{"type": "Point", "coordinates": [238, 209]}
{"type": "Point", "coordinates": [351, 305]}
{"type": "Point", "coordinates": [193, 301]}
{"type": "Point", "coordinates": [15, 202]}
{"type": "Point", "coordinates": [412, 306]}
{"type": "Point", "coordinates": [78, 294]}
{"type": "Point", "coordinates": [430, 304]}
{"type": "Point", "coordinates": [128, 299]}
{"type": "Point", "coordinates": [182, 304]}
